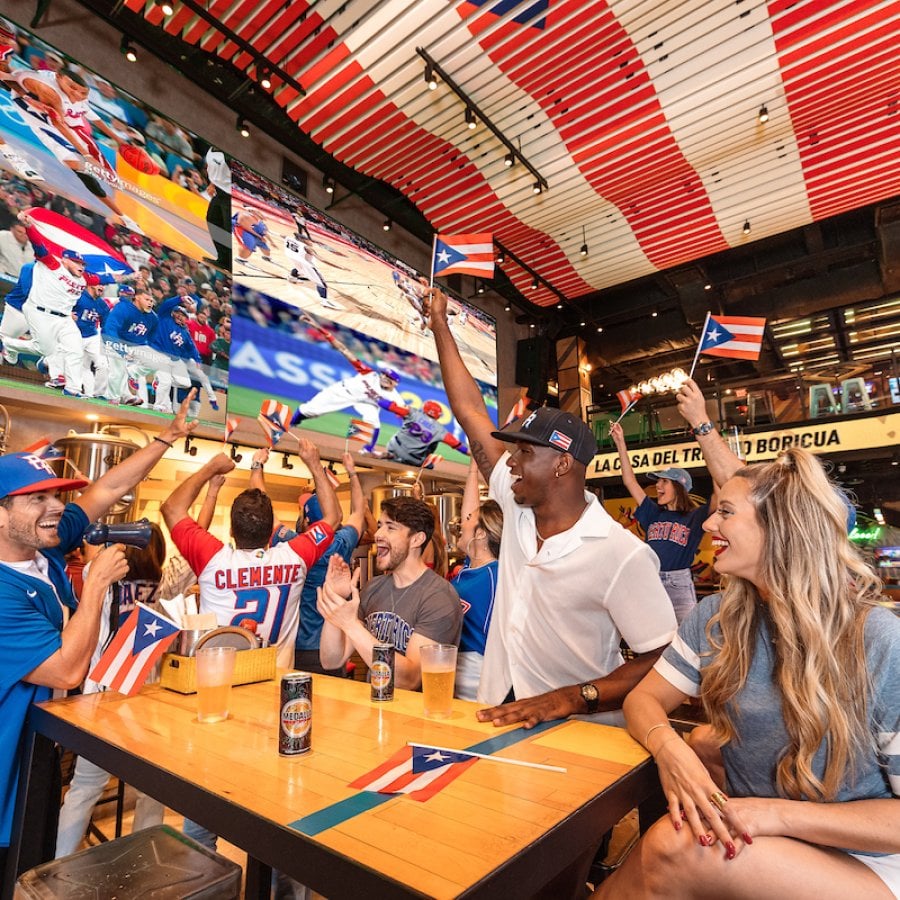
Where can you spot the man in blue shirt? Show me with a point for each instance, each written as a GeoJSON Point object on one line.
{"type": "Point", "coordinates": [47, 638]}
{"type": "Point", "coordinates": [90, 313]}
{"type": "Point", "coordinates": [129, 326]}
{"type": "Point", "coordinates": [306, 653]}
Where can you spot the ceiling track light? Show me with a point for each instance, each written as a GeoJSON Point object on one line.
{"type": "Point", "coordinates": [241, 127]}
{"type": "Point", "coordinates": [476, 116]}
{"type": "Point", "coordinates": [127, 49]}
{"type": "Point", "coordinates": [746, 228]}
{"type": "Point", "coordinates": [265, 79]}
{"type": "Point", "coordinates": [328, 184]}
{"type": "Point", "coordinates": [386, 225]}
{"type": "Point", "coordinates": [599, 329]}
{"type": "Point", "coordinates": [537, 188]}
{"type": "Point", "coordinates": [534, 283]}
{"type": "Point", "coordinates": [166, 7]}
{"type": "Point", "coordinates": [763, 114]}
{"type": "Point", "coordinates": [480, 287]}
{"type": "Point", "coordinates": [584, 246]}
{"type": "Point", "coordinates": [501, 258]}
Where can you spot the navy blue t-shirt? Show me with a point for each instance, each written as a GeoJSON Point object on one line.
{"type": "Point", "coordinates": [673, 536]}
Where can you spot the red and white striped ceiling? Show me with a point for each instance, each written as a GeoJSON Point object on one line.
{"type": "Point", "coordinates": [641, 114]}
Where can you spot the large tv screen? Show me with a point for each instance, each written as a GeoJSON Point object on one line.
{"type": "Point", "coordinates": [332, 325]}
{"type": "Point", "coordinates": [97, 186]}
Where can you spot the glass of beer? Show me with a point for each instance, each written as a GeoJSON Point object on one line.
{"type": "Point", "coordinates": [438, 676]}
{"type": "Point", "coordinates": [215, 667]}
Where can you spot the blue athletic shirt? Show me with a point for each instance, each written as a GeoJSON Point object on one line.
{"type": "Point", "coordinates": [476, 589]}
{"type": "Point", "coordinates": [31, 623]}
{"type": "Point", "coordinates": [673, 536]}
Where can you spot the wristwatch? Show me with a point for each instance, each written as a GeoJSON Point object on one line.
{"type": "Point", "coordinates": [703, 428]}
{"type": "Point", "coordinates": [591, 697]}
{"type": "Point", "coordinates": [256, 465]}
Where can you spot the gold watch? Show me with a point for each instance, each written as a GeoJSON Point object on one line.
{"type": "Point", "coordinates": [591, 697]}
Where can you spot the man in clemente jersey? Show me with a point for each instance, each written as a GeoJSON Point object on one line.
{"type": "Point", "coordinates": [252, 580]}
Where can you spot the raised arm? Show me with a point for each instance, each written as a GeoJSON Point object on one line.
{"type": "Point", "coordinates": [636, 491]}
{"type": "Point", "coordinates": [462, 391]}
{"type": "Point", "coordinates": [721, 461]}
{"type": "Point", "coordinates": [257, 479]}
{"type": "Point", "coordinates": [179, 502]}
{"type": "Point", "coordinates": [469, 510]}
{"type": "Point", "coordinates": [331, 508]}
{"type": "Point", "coordinates": [119, 480]}
{"type": "Point", "coordinates": [208, 510]}
{"type": "Point", "coordinates": [358, 505]}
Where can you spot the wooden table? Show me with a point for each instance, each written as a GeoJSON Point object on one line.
{"type": "Point", "coordinates": [496, 830]}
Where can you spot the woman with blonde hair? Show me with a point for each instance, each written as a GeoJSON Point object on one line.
{"type": "Point", "coordinates": [798, 669]}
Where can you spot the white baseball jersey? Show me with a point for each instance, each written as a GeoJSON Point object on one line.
{"type": "Point", "coordinates": [77, 114]}
{"type": "Point", "coordinates": [356, 392]}
{"type": "Point", "coordinates": [263, 584]}
{"type": "Point", "coordinates": [54, 287]}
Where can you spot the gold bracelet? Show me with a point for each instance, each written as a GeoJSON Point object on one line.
{"type": "Point", "coordinates": [652, 729]}
{"type": "Point", "coordinates": [663, 744]}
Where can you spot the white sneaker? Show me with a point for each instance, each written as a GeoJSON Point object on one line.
{"type": "Point", "coordinates": [20, 164]}
{"type": "Point", "coordinates": [10, 356]}
{"type": "Point", "coordinates": [163, 407]}
{"type": "Point", "coordinates": [328, 304]}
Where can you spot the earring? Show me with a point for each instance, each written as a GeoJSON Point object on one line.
{"type": "Point", "coordinates": [557, 474]}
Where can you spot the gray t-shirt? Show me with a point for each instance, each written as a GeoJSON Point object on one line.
{"type": "Point", "coordinates": [751, 759]}
{"type": "Point", "coordinates": [429, 607]}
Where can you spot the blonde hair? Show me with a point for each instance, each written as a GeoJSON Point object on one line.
{"type": "Point", "coordinates": [490, 518]}
{"type": "Point", "coordinates": [819, 592]}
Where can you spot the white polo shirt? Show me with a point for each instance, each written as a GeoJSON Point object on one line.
{"type": "Point", "coordinates": [560, 612]}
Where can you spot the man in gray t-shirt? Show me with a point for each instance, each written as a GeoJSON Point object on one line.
{"type": "Point", "coordinates": [409, 607]}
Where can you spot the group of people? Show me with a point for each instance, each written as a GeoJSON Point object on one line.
{"type": "Point", "coordinates": [58, 311]}
{"type": "Point", "coordinates": [795, 664]}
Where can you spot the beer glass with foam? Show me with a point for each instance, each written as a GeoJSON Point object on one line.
{"type": "Point", "coordinates": [438, 676]}
{"type": "Point", "coordinates": [215, 667]}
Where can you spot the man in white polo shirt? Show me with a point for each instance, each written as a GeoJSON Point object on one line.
{"type": "Point", "coordinates": [572, 581]}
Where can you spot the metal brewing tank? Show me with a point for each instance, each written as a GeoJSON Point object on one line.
{"type": "Point", "coordinates": [384, 492]}
{"type": "Point", "coordinates": [449, 514]}
{"type": "Point", "coordinates": [94, 454]}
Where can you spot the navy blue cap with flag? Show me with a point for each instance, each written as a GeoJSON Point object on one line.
{"type": "Point", "coordinates": [548, 427]}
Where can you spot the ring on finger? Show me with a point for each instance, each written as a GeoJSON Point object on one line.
{"type": "Point", "coordinates": [718, 799]}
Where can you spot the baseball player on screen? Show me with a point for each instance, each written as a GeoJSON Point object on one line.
{"type": "Point", "coordinates": [364, 391]}
{"type": "Point", "coordinates": [419, 434]}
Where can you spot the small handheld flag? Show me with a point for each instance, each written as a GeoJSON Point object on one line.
{"type": "Point", "coordinates": [739, 337]}
{"type": "Point", "coordinates": [361, 431]}
{"type": "Point", "coordinates": [44, 449]}
{"type": "Point", "coordinates": [138, 644]}
{"type": "Point", "coordinates": [418, 771]}
{"type": "Point", "coordinates": [232, 423]}
{"type": "Point", "coordinates": [520, 407]}
{"type": "Point", "coordinates": [628, 398]}
{"type": "Point", "coordinates": [432, 460]}
{"type": "Point", "coordinates": [273, 418]}
{"type": "Point", "coordinates": [463, 254]}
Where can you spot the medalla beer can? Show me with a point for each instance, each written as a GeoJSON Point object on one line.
{"type": "Point", "coordinates": [295, 720]}
{"type": "Point", "coordinates": [381, 675]}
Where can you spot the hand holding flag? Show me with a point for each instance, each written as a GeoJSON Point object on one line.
{"type": "Point", "coordinates": [463, 254]}
{"type": "Point", "coordinates": [138, 644]}
{"type": "Point", "coordinates": [361, 431]}
{"type": "Point", "coordinates": [737, 337]}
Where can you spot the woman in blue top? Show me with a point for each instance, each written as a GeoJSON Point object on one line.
{"type": "Point", "coordinates": [798, 669]}
{"type": "Point", "coordinates": [476, 582]}
{"type": "Point", "coordinates": [672, 523]}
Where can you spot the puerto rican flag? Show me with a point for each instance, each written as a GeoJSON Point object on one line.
{"type": "Point", "coordinates": [432, 461]}
{"type": "Point", "coordinates": [739, 337]}
{"type": "Point", "coordinates": [418, 771]}
{"type": "Point", "coordinates": [558, 439]}
{"type": "Point", "coordinates": [628, 398]}
{"type": "Point", "coordinates": [232, 423]}
{"type": "Point", "coordinates": [463, 254]}
{"type": "Point", "coordinates": [519, 409]}
{"type": "Point", "coordinates": [45, 449]}
{"type": "Point", "coordinates": [138, 644]}
{"type": "Point", "coordinates": [57, 233]}
{"type": "Point", "coordinates": [273, 418]}
{"type": "Point", "coordinates": [358, 430]}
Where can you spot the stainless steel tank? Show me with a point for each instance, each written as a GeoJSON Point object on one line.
{"type": "Point", "coordinates": [449, 513]}
{"type": "Point", "coordinates": [94, 454]}
{"type": "Point", "coordinates": [384, 492]}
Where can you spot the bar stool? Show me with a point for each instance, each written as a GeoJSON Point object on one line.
{"type": "Point", "coordinates": [158, 862]}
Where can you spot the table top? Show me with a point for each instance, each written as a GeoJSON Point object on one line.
{"type": "Point", "coordinates": [495, 821]}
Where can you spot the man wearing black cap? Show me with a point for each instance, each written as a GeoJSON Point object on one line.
{"type": "Point", "coordinates": [572, 582]}
{"type": "Point", "coordinates": [46, 637]}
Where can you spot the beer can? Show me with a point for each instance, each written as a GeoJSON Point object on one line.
{"type": "Point", "coordinates": [295, 719]}
{"type": "Point", "coordinates": [381, 675]}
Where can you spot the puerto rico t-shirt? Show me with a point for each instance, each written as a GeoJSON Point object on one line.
{"type": "Point", "coordinates": [673, 536]}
